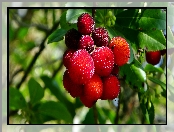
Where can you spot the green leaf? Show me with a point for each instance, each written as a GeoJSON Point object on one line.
{"type": "Point", "coordinates": [151, 68]}
{"type": "Point", "coordinates": [113, 32]}
{"type": "Point", "coordinates": [35, 90]}
{"type": "Point", "coordinates": [152, 19]}
{"type": "Point", "coordinates": [64, 24]}
{"type": "Point", "coordinates": [141, 75]}
{"type": "Point", "coordinates": [16, 99]}
{"type": "Point", "coordinates": [157, 81]}
{"type": "Point", "coordinates": [131, 78]}
{"type": "Point", "coordinates": [56, 110]}
{"type": "Point", "coordinates": [73, 14]}
{"type": "Point", "coordinates": [56, 91]}
{"type": "Point", "coordinates": [144, 19]}
{"type": "Point", "coordinates": [152, 40]}
{"type": "Point", "coordinates": [56, 36]}
{"type": "Point", "coordinates": [127, 18]}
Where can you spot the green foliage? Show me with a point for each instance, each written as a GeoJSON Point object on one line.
{"type": "Point", "coordinates": [56, 110]}
{"type": "Point", "coordinates": [57, 35]}
{"type": "Point", "coordinates": [35, 90]}
{"type": "Point", "coordinates": [16, 99]}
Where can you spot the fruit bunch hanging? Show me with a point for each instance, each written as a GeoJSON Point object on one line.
{"type": "Point", "coordinates": [92, 62]}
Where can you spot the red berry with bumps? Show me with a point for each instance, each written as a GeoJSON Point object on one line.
{"type": "Point", "coordinates": [111, 87]}
{"type": "Point", "coordinates": [74, 89]}
{"type": "Point", "coordinates": [72, 38]}
{"type": "Point", "coordinates": [121, 50]}
{"type": "Point", "coordinates": [81, 66]}
{"type": "Point", "coordinates": [93, 88]}
{"type": "Point", "coordinates": [103, 60]}
{"type": "Point", "coordinates": [86, 42]}
{"type": "Point", "coordinates": [85, 24]}
{"type": "Point", "coordinates": [67, 56]}
{"type": "Point", "coordinates": [100, 36]}
{"type": "Point", "coordinates": [153, 57]}
{"type": "Point", "coordinates": [87, 102]}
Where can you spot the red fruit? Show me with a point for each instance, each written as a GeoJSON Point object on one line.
{"type": "Point", "coordinates": [93, 88]}
{"type": "Point", "coordinates": [87, 102]}
{"type": "Point", "coordinates": [75, 90]}
{"type": "Point", "coordinates": [86, 42]}
{"type": "Point", "coordinates": [103, 60]}
{"type": "Point", "coordinates": [85, 24]}
{"type": "Point", "coordinates": [111, 87]}
{"type": "Point", "coordinates": [115, 70]}
{"type": "Point", "coordinates": [81, 67]}
{"type": "Point", "coordinates": [121, 50]}
{"type": "Point", "coordinates": [153, 57]}
{"type": "Point", "coordinates": [72, 38]}
{"type": "Point", "coordinates": [100, 37]}
{"type": "Point", "coordinates": [67, 56]}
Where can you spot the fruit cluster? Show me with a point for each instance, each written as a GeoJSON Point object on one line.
{"type": "Point", "coordinates": [92, 62]}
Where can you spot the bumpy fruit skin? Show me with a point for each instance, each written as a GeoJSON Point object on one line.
{"type": "Point", "coordinates": [81, 66]}
{"type": "Point", "coordinates": [72, 38]}
{"type": "Point", "coordinates": [111, 87]}
{"type": "Point", "coordinates": [87, 102]}
{"type": "Point", "coordinates": [93, 88]}
{"type": "Point", "coordinates": [153, 57]}
{"type": "Point", "coordinates": [67, 56]}
{"type": "Point", "coordinates": [121, 50]}
{"type": "Point", "coordinates": [74, 89]}
{"type": "Point", "coordinates": [86, 42]}
{"type": "Point", "coordinates": [103, 60]}
{"type": "Point", "coordinates": [85, 24]}
{"type": "Point", "coordinates": [100, 36]}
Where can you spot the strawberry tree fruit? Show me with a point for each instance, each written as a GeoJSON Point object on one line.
{"type": "Point", "coordinates": [153, 57]}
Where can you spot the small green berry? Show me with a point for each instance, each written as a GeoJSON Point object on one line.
{"type": "Point", "coordinates": [114, 18]}
{"type": "Point", "coordinates": [112, 22]}
{"type": "Point", "coordinates": [108, 23]}
{"type": "Point", "coordinates": [109, 13]}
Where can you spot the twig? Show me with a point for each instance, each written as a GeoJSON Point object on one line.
{"type": "Point", "coordinates": [42, 46]}
{"type": "Point", "coordinates": [38, 26]}
{"type": "Point", "coordinates": [57, 70]}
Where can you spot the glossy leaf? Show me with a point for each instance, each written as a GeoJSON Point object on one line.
{"type": "Point", "coordinates": [145, 19]}
{"type": "Point", "coordinates": [64, 24]}
{"type": "Point", "coordinates": [73, 14]}
{"type": "Point", "coordinates": [56, 110]}
{"type": "Point", "coordinates": [16, 99]}
{"type": "Point", "coordinates": [153, 40]}
{"type": "Point", "coordinates": [35, 90]}
{"type": "Point", "coordinates": [157, 81]}
{"type": "Point", "coordinates": [151, 68]}
{"type": "Point", "coordinates": [56, 36]}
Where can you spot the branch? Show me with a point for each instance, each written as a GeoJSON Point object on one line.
{"type": "Point", "coordinates": [38, 26]}
{"type": "Point", "coordinates": [42, 46]}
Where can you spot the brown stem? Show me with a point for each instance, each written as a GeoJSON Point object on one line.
{"type": "Point", "coordinates": [42, 46]}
